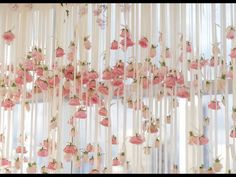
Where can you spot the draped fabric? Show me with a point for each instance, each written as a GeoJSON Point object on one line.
{"type": "Point", "coordinates": [117, 88]}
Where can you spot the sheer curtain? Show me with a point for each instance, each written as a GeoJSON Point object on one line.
{"type": "Point", "coordinates": [49, 26]}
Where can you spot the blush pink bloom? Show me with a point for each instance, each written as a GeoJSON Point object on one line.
{"type": "Point", "coordinates": [188, 47]}
{"type": "Point", "coordinates": [91, 84]}
{"type": "Point", "coordinates": [81, 114]}
{"type": "Point", "coordinates": [233, 133]}
{"type": "Point", "coordinates": [74, 101]}
{"type": "Point", "coordinates": [104, 122]}
{"type": "Point", "coordinates": [194, 65]}
{"type": "Point", "coordinates": [7, 103]}
{"type": "Point", "coordinates": [89, 147]}
{"type": "Point", "coordinates": [87, 43]}
{"type": "Point", "coordinates": [137, 139]}
{"type": "Point", "coordinates": [102, 111]}
{"type": "Point", "coordinates": [8, 37]}
{"type": "Point", "coordinates": [158, 78]}
{"type": "Point", "coordinates": [168, 54]}
{"type": "Point", "coordinates": [4, 162]}
{"type": "Point", "coordinates": [19, 81]}
{"type": "Point", "coordinates": [39, 71]}
{"type": "Point", "coordinates": [107, 74]}
{"type": "Point", "coordinates": [130, 74]}
{"type": "Point", "coordinates": [230, 32]}
{"type": "Point", "coordinates": [37, 54]}
{"type": "Point", "coordinates": [28, 65]}
{"type": "Point", "coordinates": [129, 43]}
{"type": "Point", "coordinates": [125, 33]}
{"type": "Point", "coordinates": [170, 81]}
{"type": "Point", "coordinates": [59, 52]}
{"type": "Point", "coordinates": [114, 140]}
{"type": "Point", "coordinates": [42, 84]}
{"type": "Point", "coordinates": [117, 82]}
{"type": "Point", "coordinates": [203, 140]}
{"type": "Point", "coordinates": [92, 75]}
{"type": "Point", "coordinates": [153, 51]}
{"type": "Point", "coordinates": [143, 42]}
{"type": "Point", "coordinates": [116, 162]}
{"type": "Point", "coordinates": [214, 105]}
{"type": "Point", "coordinates": [146, 83]}
{"type": "Point", "coordinates": [119, 91]}
{"type": "Point", "coordinates": [233, 53]}
{"type": "Point", "coordinates": [213, 62]}
{"type": "Point", "coordinates": [103, 89]}
{"type": "Point", "coordinates": [21, 149]}
{"type": "Point", "coordinates": [230, 74]}
{"type": "Point", "coordinates": [114, 45]}
{"type": "Point", "coordinates": [183, 92]}
{"type": "Point", "coordinates": [70, 149]}
{"type": "Point", "coordinates": [43, 152]}
{"type": "Point", "coordinates": [181, 57]}
{"type": "Point", "coordinates": [54, 81]}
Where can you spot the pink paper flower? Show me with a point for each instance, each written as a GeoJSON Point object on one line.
{"type": "Point", "coordinates": [233, 53]}
{"type": "Point", "coordinates": [102, 111]}
{"type": "Point", "coordinates": [21, 149]}
{"type": "Point", "coordinates": [116, 162]}
{"type": "Point", "coordinates": [183, 92]}
{"type": "Point", "coordinates": [104, 122]}
{"type": "Point", "coordinates": [103, 89]}
{"type": "Point", "coordinates": [43, 152]}
{"type": "Point", "coordinates": [203, 140]}
{"type": "Point", "coordinates": [59, 52]}
{"type": "Point", "coordinates": [80, 113]}
{"type": "Point", "coordinates": [137, 139]}
{"type": "Point", "coordinates": [8, 37]}
{"type": "Point", "coordinates": [114, 45]}
{"type": "Point", "coordinates": [74, 101]}
{"type": "Point", "coordinates": [143, 42]}
{"type": "Point", "coordinates": [153, 51]}
{"type": "Point", "coordinates": [214, 105]}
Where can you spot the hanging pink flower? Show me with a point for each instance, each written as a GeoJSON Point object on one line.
{"type": "Point", "coordinates": [217, 166]}
{"type": "Point", "coordinates": [81, 113]}
{"type": "Point", "coordinates": [233, 133]}
{"type": "Point", "coordinates": [119, 91]}
{"type": "Point", "coordinates": [92, 75]}
{"type": "Point", "coordinates": [32, 168]}
{"type": "Point", "coordinates": [168, 54]}
{"type": "Point", "coordinates": [230, 32]}
{"type": "Point", "coordinates": [114, 140]}
{"type": "Point", "coordinates": [114, 45]}
{"type": "Point", "coordinates": [102, 111]}
{"type": "Point", "coordinates": [183, 92]}
{"type": "Point", "coordinates": [116, 162]}
{"type": "Point", "coordinates": [103, 89]}
{"type": "Point", "coordinates": [143, 42]}
{"type": "Point", "coordinates": [7, 103]}
{"type": "Point", "coordinates": [233, 53]}
{"type": "Point", "coordinates": [70, 149]}
{"type": "Point", "coordinates": [59, 52]}
{"type": "Point", "coordinates": [8, 37]}
{"type": "Point", "coordinates": [137, 139]}
{"type": "Point", "coordinates": [158, 78]}
{"type": "Point", "coordinates": [43, 152]}
{"type": "Point", "coordinates": [192, 139]}
{"type": "Point", "coordinates": [4, 162]}
{"type": "Point", "coordinates": [21, 149]}
{"type": "Point", "coordinates": [125, 33]}
{"type": "Point", "coordinates": [129, 43]}
{"type": "Point", "coordinates": [214, 105]}
{"type": "Point", "coordinates": [87, 43]}
{"type": "Point", "coordinates": [153, 51]}
{"type": "Point", "coordinates": [188, 47]}
{"type": "Point", "coordinates": [107, 74]}
{"type": "Point", "coordinates": [203, 140]}
{"type": "Point", "coordinates": [104, 122]}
